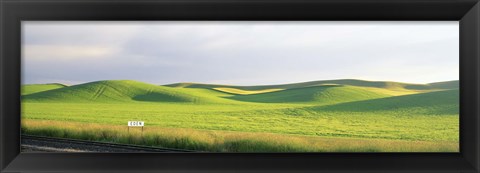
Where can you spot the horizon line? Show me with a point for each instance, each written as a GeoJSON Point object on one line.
{"type": "Point", "coordinates": [207, 83]}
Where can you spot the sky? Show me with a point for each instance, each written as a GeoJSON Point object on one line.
{"type": "Point", "coordinates": [239, 52]}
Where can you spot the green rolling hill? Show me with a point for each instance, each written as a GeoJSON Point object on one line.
{"type": "Point", "coordinates": [316, 92]}
{"type": "Point", "coordinates": [328, 94]}
{"type": "Point", "coordinates": [436, 102]}
{"type": "Point", "coordinates": [352, 82]}
{"type": "Point", "coordinates": [35, 88]}
{"type": "Point", "coordinates": [446, 85]}
{"type": "Point", "coordinates": [123, 91]}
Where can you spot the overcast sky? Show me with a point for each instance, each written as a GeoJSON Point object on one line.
{"type": "Point", "coordinates": [239, 53]}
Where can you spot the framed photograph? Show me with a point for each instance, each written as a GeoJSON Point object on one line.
{"type": "Point", "coordinates": [240, 86]}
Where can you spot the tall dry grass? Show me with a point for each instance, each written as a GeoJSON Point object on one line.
{"type": "Point", "coordinates": [225, 141]}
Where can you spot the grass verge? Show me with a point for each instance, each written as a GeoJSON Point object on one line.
{"type": "Point", "coordinates": [225, 141]}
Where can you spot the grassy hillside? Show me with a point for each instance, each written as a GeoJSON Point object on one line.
{"type": "Point", "coordinates": [35, 88]}
{"type": "Point", "coordinates": [437, 102]}
{"type": "Point", "coordinates": [328, 94]}
{"type": "Point", "coordinates": [123, 91]}
{"type": "Point", "coordinates": [126, 90]}
{"type": "Point", "coordinates": [245, 92]}
{"type": "Point", "coordinates": [352, 82]}
{"type": "Point", "coordinates": [446, 85]}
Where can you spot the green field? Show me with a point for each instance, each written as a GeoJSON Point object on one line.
{"type": "Point", "coordinates": [319, 116]}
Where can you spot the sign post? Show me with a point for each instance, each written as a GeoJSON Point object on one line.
{"type": "Point", "coordinates": [135, 124]}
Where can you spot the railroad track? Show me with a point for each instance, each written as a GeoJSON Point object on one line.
{"type": "Point", "coordinates": [91, 146]}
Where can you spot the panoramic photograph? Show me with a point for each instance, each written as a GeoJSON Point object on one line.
{"type": "Point", "coordinates": [240, 86]}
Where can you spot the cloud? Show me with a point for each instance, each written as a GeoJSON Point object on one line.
{"type": "Point", "coordinates": [77, 32]}
{"type": "Point", "coordinates": [66, 52]}
{"type": "Point", "coordinates": [245, 53]}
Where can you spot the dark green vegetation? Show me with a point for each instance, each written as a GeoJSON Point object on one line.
{"type": "Point", "coordinates": [351, 115]}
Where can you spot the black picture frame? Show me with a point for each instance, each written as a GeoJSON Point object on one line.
{"type": "Point", "coordinates": [14, 11]}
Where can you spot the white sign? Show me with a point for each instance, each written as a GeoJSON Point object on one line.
{"type": "Point", "coordinates": [136, 123]}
